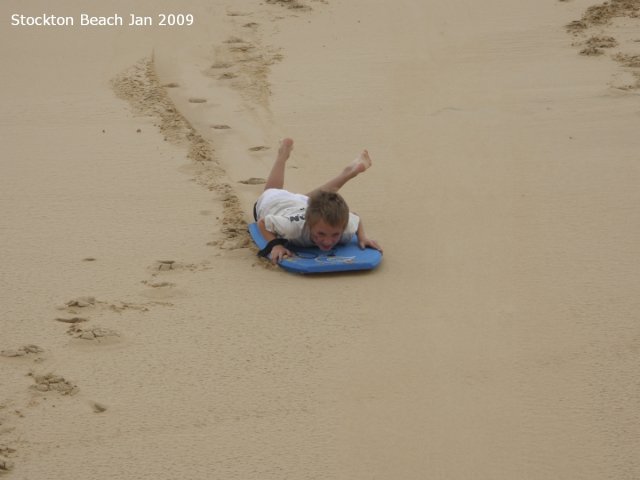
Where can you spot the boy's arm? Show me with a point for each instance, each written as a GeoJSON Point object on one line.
{"type": "Point", "coordinates": [364, 241]}
{"type": "Point", "coordinates": [268, 236]}
{"type": "Point", "coordinates": [278, 252]}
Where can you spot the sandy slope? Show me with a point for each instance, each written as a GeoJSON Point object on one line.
{"type": "Point", "coordinates": [497, 340]}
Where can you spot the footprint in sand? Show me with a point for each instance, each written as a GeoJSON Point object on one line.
{"type": "Point", "coordinates": [161, 290]}
{"type": "Point", "coordinates": [626, 60]}
{"type": "Point", "coordinates": [6, 451]}
{"type": "Point", "coordinates": [6, 465]}
{"type": "Point", "coordinates": [22, 351]}
{"type": "Point", "coordinates": [71, 319]}
{"type": "Point", "coordinates": [73, 307]}
{"type": "Point", "coordinates": [291, 4]}
{"type": "Point", "coordinates": [160, 284]}
{"type": "Point", "coordinates": [197, 100]}
{"type": "Point", "coordinates": [81, 302]}
{"type": "Point", "coordinates": [221, 126]}
{"type": "Point", "coordinates": [253, 181]}
{"type": "Point", "coordinates": [92, 333]}
{"type": "Point", "coordinates": [168, 265]}
{"type": "Point", "coordinates": [228, 76]}
{"type": "Point", "coordinates": [221, 65]}
{"type": "Point", "coordinates": [171, 85]}
{"type": "Point", "coordinates": [596, 44]}
{"type": "Point", "coordinates": [122, 306]}
{"type": "Point", "coordinates": [165, 265]}
{"type": "Point", "coordinates": [234, 40]}
{"type": "Point", "coordinates": [241, 48]}
{"type": "Point", "coordinates": [53, 383]}
{"type": "Point", "coordinates": [98, 407]}
{"type": "Point", "coordinates": [259, 148]}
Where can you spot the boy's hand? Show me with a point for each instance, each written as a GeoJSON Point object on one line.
{"type": "Point", "coordinates": [365, 242]}
{"type": "Point", "coordinates": [280, 252]}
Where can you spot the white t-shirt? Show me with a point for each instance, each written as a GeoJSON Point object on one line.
{"type": "Point", "coordinates": [284, 216]}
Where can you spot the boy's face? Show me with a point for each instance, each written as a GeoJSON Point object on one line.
{"type": "Point", "coordinates": [325, 236]}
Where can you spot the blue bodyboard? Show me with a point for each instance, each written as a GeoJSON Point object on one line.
{"type": "Point", "coordinates": [342, 258]}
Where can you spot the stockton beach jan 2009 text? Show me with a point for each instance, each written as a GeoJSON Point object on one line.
{"type": "Point", "coordinates": [114, 20]}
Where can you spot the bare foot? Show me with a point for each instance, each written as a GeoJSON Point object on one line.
{"type": "Point", "coordinates": [276, 176]}
{"type": "Point", "coordinates": [359, 165]}
{"type": "Point", "coordinates": [286, 145]}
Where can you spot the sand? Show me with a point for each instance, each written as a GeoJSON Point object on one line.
{"type": "Point", "coordinates": [142, 337]}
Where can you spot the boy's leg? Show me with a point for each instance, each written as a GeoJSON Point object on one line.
{"type": "Point", "coordinates": [276, 176]}
{"type": "Point", "coordinates": [359, 165]}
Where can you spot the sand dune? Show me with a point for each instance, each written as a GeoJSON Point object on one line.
{"type": "Point", "coordinates": [143, 338]}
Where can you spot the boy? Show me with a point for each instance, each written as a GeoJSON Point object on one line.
{"type": "Point", "coordinates": [321, 218]}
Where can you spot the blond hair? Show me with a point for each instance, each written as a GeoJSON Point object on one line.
{"type": "Point", "coordinates": [327, 206]}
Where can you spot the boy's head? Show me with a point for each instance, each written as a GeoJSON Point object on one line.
{"type": "Point", "coordinates": [326, 217]}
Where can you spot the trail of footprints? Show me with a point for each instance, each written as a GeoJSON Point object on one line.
{"type": "Point", "coordinates": [244, 62]}
{"type": "Point", "coordinates": [76, 315]}
{"type": "Point", "coordinates": [597, 31]}
{"type": "Point", "coordinates": [9, 414]}
{"type": "Point", "coordinates": [76, 319]}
